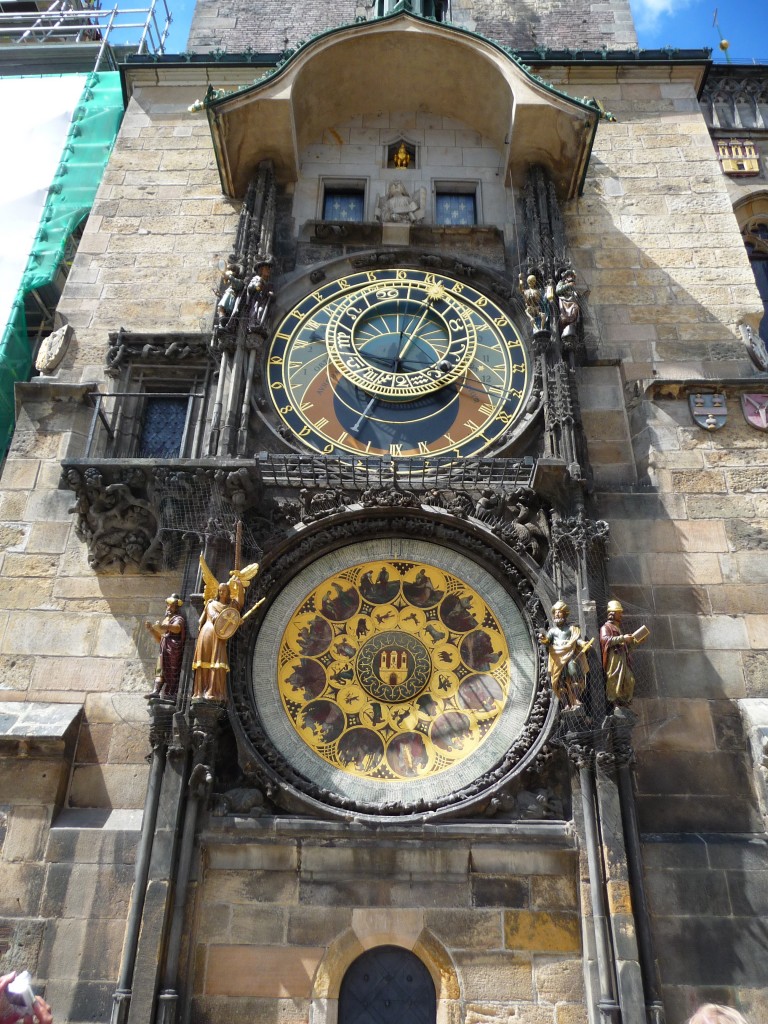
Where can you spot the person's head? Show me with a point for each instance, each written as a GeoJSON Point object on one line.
{"type": "Point", "coordinates": [615, 612]}
{"type": "Point", "coordinates": [224, 593]}
{"type": "Point", "coordinates": [715, 1013]}
{"type": "Point", "coordinates": [173, 602]}
{"type": "Point", "coordinates": [560, 612]}
{"type": "Point", "coordinates": [532, 282]}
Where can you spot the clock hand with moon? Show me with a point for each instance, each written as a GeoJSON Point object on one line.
{"type": "Point", "coordinates": [398, 362]}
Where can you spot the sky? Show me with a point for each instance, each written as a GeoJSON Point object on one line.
{"type": "Point", "coordinates": [688, 23]}
{"type": "Point", "coordinates": [682, 23]}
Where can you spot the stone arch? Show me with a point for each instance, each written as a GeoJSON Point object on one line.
{"type": "Point", "coordinates": [383, 927]}
{"type": "Point", "coordinates": [383, 64]}
{"type": "Point", "coordinates": [752, 206]}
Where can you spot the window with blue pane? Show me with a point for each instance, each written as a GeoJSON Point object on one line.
{"type": "Point", "coordinates": [162, 427]}
{"type": "Point", "coordinates": [343, 204]}
{"type": "Point", "coordinates": [456, 209]}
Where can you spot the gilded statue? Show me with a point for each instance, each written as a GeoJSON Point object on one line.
{"type": "Point", "coordinates": [536, 304]}
{"type": "Point", "coordinates": [402, 157]}
{"type": "Point", "coordinates": [171, 633]}
{"type": "Point", "coordinates": [567, 660]}
{"type": "Point", "coordinates": [220, 620]}
{"type": "Point", "coordinates": [617, 663]}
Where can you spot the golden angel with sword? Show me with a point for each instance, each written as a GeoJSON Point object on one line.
{"type": "Point", "coordinates": [220, 620]}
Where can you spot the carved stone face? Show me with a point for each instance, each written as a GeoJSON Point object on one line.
{"type": "Point", "coordinates": [224, 593]}
{"type": "Point", "coordinates": [615, 617]}
{"type": "Point", "coordinates": [560, 617]}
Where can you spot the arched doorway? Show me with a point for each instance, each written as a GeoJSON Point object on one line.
{"type": "Point", "coordinates": [387, 985]}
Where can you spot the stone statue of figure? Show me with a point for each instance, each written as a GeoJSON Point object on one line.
{"type": "Point", "coordinates": [220, 620]}
{"type": "Point", "coordinates": [567, 662]}
{"type": "Point", "coordinates": [402, 157]}
{"type": "Point", "coordinates": [171, 632]}
{"type": "Point", "coordinates": [536, 304]}
{"type": "Point", "coordinates": [399, 207]}
{"type": "Point", "coordinates": [259, 293]}
{"type": "Point", "coordinates": [569, 311]}
{"type": "Point", "coordinates": [617, 664]}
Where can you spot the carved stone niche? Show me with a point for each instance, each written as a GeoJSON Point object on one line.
{"type": "Point", "coordinates": [413, 771]}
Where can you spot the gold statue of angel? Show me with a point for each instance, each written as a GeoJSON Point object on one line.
{"type": "Point", "coordinates": [220, 620]}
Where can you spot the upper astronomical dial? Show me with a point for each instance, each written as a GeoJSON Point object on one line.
{"type": "Point", "coordinates": [398, 362]}
{"type": "Point", "coordinates": [401, 339]}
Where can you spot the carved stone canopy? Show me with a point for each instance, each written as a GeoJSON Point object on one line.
{"type": "Point", "coordinates": [390, 62]}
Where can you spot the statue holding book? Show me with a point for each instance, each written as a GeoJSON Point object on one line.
{"type": "Point", "coordinates": [617, 663]}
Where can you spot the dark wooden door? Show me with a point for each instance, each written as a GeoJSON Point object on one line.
{"type": "Point", "coordinates": [387, 985]}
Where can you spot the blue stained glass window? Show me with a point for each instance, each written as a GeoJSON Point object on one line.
{"type": "Point", "coordinates": [344, 204]}
{"type": "Point", "coordinates": [456, 209]}
{"type": "Point", "coordinates": [162, 429]}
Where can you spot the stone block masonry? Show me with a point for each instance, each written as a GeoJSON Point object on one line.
{"type": "Point", "coordinates": [271, 26]}
{"type": "Point", "coordinates": [496, 922]}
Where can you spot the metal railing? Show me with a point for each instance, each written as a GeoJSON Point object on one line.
{"type": "Point", "coordinates": [139, 29]}
{"type": "Point", "coordinates": [331, 471]}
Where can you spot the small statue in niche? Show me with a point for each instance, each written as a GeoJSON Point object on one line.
{"type": "Point", "coordinates": [402, 157]}
{"type": "Point", "coordinates": [536, 303]}
{"type": "Point", "coordinates": [219, 622]}
{"type": "Point", "coordinates": [399, 207]}
{"type": "Point", "coordinates": [171, 632]}
{"type": "Point", "coordinates": [569, 310]}
{"type": "Point", "coordinates": [567, 662]}
{"type": "Point", "coordinates": [617, 664]}
{"type": "Point", "coordinates": [259, 294]}
{"type": "Point", "coordinates": [228, 305]}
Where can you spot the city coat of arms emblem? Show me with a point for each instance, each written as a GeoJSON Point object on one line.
{"type": "Point", "coordinates": [755, 409]}
{"type": "Point", "coordinates": [708, 410]}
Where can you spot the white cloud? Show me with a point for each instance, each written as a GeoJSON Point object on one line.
{"type": "Point", "coordinates": [648, 13]}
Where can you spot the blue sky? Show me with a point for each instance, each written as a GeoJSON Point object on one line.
{"type": "Point", "coordinates": [683, 23]}
{"type": "Point", "coordinates": [688, 23]}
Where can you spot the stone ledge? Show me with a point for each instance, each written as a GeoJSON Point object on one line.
{"type": "Point", "coordinates": [556, 834]}
{"type": "Point", "coordinates": [38, 729]}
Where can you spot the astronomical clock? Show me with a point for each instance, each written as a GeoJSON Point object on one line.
{"type": "Point", "coordinates": [398, 362]}
{"type": "Point", "coordinates": [393, 669]}
{"type": "Point", "coordinates": [393, 430]}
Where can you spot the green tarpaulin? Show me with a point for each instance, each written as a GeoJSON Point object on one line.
{"type": "Point", "coordinates": [91, 135]}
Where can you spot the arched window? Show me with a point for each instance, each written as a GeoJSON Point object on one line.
{"type": "Point", "coordinates": [755, 234]}
{"type": "Point", "coordinates": [387, 985]}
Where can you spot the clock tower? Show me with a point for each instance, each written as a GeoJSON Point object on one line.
{"type": "Point", "coordinates": [385, 324]}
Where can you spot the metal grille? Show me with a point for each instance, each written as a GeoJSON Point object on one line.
{"type": "Point", "coordinates": [387, 985]}
{"type": "Point", "coordinates": [331, 471]}
{"type": "Point", "coordinates": [162, 429]}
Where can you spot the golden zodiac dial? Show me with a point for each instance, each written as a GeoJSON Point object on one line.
{"type": "Point", "coordinates": [393, 670]}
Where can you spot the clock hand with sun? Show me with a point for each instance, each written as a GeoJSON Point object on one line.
{"type": "Point", "coordinates": [400, 353]}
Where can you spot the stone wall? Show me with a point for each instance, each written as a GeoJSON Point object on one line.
{"type": "Point", "coordinates": [449, 152]}
{"type": "Point", "coordinates": [271, 26]}
{"type": "Point", "coordinates": [655, 239]}
{"type": "Point", "coordinates": [281, 920]}
{"type": "Point", "coordinates": [577, 25]}
{"type": "Point", "coordinates": [708, 895]}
